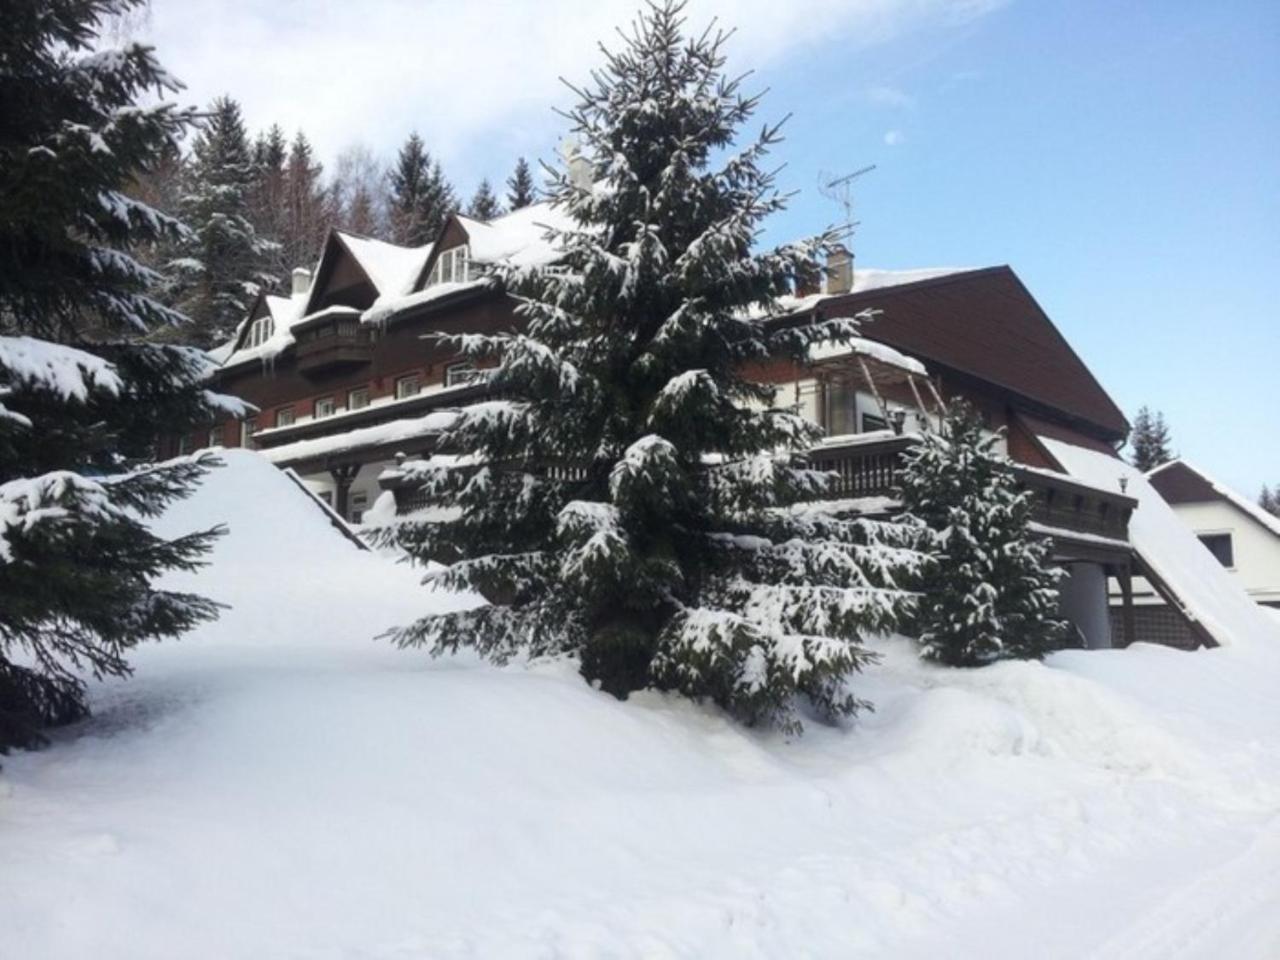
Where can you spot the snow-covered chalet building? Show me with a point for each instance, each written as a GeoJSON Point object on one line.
{"type": "Point", "coordinates": [346, 379]}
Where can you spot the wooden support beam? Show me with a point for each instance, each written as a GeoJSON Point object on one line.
{"type": "Point", "coordinates": [1125, 576]}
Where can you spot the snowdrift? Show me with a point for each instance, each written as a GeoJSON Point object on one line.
{"type": "Point", "coordinates": [281, 785]}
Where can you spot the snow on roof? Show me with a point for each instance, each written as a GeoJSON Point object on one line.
{"type": "Point", "coordinates": [1172, 551]}
{"type": "Point", "coordinates": [1244, 504]}
{"type": "Point", "coordinates": [873, 278]}
{"type": "Point", "coordinates": [391, 268]}
{"type": "Point", "coordinates": [285, 312]}
{"type": "Point", "coordinates": [518, 238]}
{"type": "Point", "coordinates": [411, 428]}
{"type": "Point", "coordinates": [872, 350]}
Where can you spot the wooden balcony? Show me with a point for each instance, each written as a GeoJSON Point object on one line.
{"type": "Point", "coordinates": [1090, 520]}
{"type": "Point", "coordinates": [332, 344]}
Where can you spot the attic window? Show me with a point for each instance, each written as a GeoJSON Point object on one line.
{"type": "Point", "coordinates": [452, 266]}
{"type": "Point", "coordinates": [259, 332]}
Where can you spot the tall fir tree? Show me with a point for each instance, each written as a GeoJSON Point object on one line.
{"type": "Point", "coordinates": [484, 205]}
{"type": "Point", "coordinates": [421, 198]}
{"type": "Point", "coordinates": [520, 189]}
{"type": "Point", "coordinates": [309, 208]}
{"type": "Point", "coordinates": [225, 262]}
{"type": "Point", "coordinates": [1149, 441]}
{"type": "Point", "coordinates": [990, 593]}
{"type": "Point", "coordinates": [267, 197]}
{"type": "Point", "coordinates": [81, 397]}
{"type": "Point", "coordinates": [1269, 500]}
{"type": "Point", "coordinates": [632, 499]}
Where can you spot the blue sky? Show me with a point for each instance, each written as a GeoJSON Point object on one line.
{"type": "Point", "coordinates": [1123, 158]}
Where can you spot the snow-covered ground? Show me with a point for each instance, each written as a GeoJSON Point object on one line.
{"type": "Point", "coordinates": [281, 785]}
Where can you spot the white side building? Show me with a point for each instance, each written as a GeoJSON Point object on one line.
{"type": "Point", "coordinates": [1244, 537]}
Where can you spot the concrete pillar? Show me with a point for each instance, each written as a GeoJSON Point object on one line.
{"type": "Point", "coordinates": [1084, 603]}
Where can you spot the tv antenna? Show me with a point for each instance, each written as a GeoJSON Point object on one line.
{"type": "Point", "coordinates": [840, 189]}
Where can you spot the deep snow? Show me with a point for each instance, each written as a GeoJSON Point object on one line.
{"type": "Point", "coordinates": [281, 785]}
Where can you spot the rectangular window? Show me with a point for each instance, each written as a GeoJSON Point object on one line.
{"type": "Point", "coordinates": [358, 399]}
{"type": "Point", "coordinates": [357, 504]}
{"type": "Point", "coordinates": [1219, 544]}
{"type": "Point", "coordinates": [451, 266]}
{"type": "Point", "coordinates": [324, 407]}
{"type": "Point", "coordinates": [215, 436]}
{"type": "Point", "coordinates": [185, 443]}
{"type": "Point", "coordinates": [457, 373]}
{"type": "Point", "coordinates": [409, 386]}
{"type": "Point", "coordinates": [247, 429]}
{"type": "Point", "coordinates": [259, 331]}
{"type": "Point", "coordinates": [284, 417]}
{"type": "Point", "coordinates": [872, 423]}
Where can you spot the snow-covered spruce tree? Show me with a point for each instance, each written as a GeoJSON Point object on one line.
{"type": "Point", "coordinates": [631, 499]}
{"type": "Point", "coordinates": [990, 594]}
{"type": "Point", "coordinates": [520, 189]}
{"type": "Point", "coordinates": [309, 206]}
{"type": "Point", "coordinates": [484, 205]}
{"type": "Point", "coordinates": [1149, 440]}
{"type": "Point", "coordinates": [224, 262]}
{"type": "Point", "coordinates": [421, 197]}
{"type": "Point", "coordinates": [81, 399]}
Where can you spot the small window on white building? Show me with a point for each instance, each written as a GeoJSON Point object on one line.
{"type": "Point", "coordinates": [284, 417]}
{"type": "Point", "coordinates": [358, 398]}
{"type": "Point", "coordinates": [1219, 544]}
{"type": "Point", "coordinates": [259, 332]}
{"type": "Point", "coordinates": [457, 373]}
{"type": "Point", "coordinates": [409, 386]}
{"type": "Point", "coordinates": [324, 407]}
{"type": "Point", "coordinates": [247, 429]}
{"type": "Point", "coordinates": [451, 266]}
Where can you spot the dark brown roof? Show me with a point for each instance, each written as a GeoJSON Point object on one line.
{"type": "Point", "coordinates": [984, 324]}
{"type": "Point", "coordinates": [1178, 483]}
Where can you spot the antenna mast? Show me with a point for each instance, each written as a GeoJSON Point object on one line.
{"type": "Point", "coordinates": [840, 189]}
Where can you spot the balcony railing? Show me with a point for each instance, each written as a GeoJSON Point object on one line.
{"type": "Point", "coordinates": [869, 468]}
{"type": "Point", "coordinates": [335, 342]}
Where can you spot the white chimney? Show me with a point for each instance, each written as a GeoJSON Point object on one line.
{"type": "Point", "coordinates": [301, 281]}
{"type": "Point", "coordinates": [839, 270]}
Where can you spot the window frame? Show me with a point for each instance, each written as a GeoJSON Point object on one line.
{"type": "Point", "coordinates": [215, 436]}
{"type": "Point", "coordinates": [357, 505]}
{"type": "Point", "coordinates": [460, 372]}
{"type": "Point", "coordinates": [452, 266]}
{"type": "Point", "coordinates": [260, 331]}
{"type": "Point", "coordinates": [1220, 537]}
{"type": "Point", "coordinates": [416, 378]}
{"type": "Point", "coordinates": [316, 413]}
{"type": "Point", "coordinates": [364, 391]}
{"type": "Point", "coordinates": [286, 417]}
{"type": "Point", "coordinates": [248, 427]}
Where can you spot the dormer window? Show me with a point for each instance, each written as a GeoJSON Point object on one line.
{"type": "Point", "coordinates": [259, 332]}
{"type": "Point", "coordinates": [451, 266]}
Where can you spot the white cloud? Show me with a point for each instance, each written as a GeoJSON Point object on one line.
{"type": "Point", "coordinates": [468, 76]}
{"type": "Point", "coordinates": [894, 137]}
{"type": "Point", "coordinates": [886, 96]}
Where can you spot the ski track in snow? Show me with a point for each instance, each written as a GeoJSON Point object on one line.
{"type": "Point", "coordinates": [281, 785]}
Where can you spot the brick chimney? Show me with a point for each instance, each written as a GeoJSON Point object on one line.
{"type": "Point", "coordinates": [839, 270]}
{"type": "Point", "coordinates": [301, 281]}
